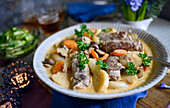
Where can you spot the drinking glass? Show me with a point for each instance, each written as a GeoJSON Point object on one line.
{"type": "Point", "coordinates": [49, 21]}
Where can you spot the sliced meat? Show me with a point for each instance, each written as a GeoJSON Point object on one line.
{"type": "Point", "coordinates": [81, 78]}
{"type": "Point", "coordinates": [114, 67]}
{"type": "Point", "coordinates": [121, 40]}
{"type": "Point", "coordinates": [109, 36]}
{"type": "Point", "coordinates": [114, 36]}
{"type": "Point", "coordinates": [110, 46]}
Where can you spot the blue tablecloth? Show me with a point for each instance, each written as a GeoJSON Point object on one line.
{"type": "Point", "coordinates": [86, 11]}
{"type": "Point", "coordinates": [63, 101]}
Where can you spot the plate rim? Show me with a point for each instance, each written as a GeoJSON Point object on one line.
{"type": "Point", "coordinates": [98, 96]}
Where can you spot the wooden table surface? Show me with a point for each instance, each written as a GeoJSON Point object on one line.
{"type": "Point", "coordinates": [156, 97]}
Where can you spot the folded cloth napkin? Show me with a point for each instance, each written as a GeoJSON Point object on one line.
{"type": "Point", "coordinates": [59, 100]}
{"type": "Point", "coordinates": [86, 11]}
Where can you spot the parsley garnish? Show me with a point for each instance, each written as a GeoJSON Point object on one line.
{"type": "Point", "coordinates": [71, 52]}
{"type": "Point", "coordinates": [100, 41]}
{"type": "Point", "coordinates": [102, 64]}
{"type": "Point", "coordinates": [91, 33]}
{"type": "Point", "coordinates": [82, 31]}
{"type": "Point", "coordinates": [83, 60]}
{"type": "Point", "coordinates": [145, 60]}
{"type": "Point", "coordinates": [131, 69]}
{"type": "Point", "coordinates": [105, 30]}
{"type": "Point", "coordinates": [81, 45]}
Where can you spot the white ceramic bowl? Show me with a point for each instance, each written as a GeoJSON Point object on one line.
{"type": "Point", "coordinates": [156, 46]}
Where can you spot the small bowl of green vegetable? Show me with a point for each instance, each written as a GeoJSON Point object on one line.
{"type": "Point", "coordinates": [18, 42]}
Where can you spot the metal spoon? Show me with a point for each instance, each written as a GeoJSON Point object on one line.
{"type": "Point", "coordinates": [161, 61]}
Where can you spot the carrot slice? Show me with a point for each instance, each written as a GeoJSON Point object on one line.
{"type": "Point", "coordinates": [101, 58]}
{"type": "Point", "coordinates": [145, 68]}
{"type": "Point", "coordinates": [94, 54]}
{"type": "Point", "coordinates": [105, 56]}
{"type": "Point", "coordinates": [58, 67]}
{"type": "Point", "coordinates": [72, 51]}
{"type": "Point", "coordinates": [119, 52]}
{"type": "Point", "coordinates": [88, 35]}
{"type": "Point", "coordinates": [70, 43]}
{"type": "Point", "coordinates": [93, 30]}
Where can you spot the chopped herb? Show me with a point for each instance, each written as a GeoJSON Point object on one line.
{"type": "Point", "coordinates": [79, 34]}
{"type": "Point", "coordinates": [105, 30]}
{"type": "Point", "coordinates": [82, 31]}
{"type": "Point", "coordinates": [81, 65]}
{"type": "Point", "coordinates": [91, 33]}
{"type": "Point", "coordinates": [131, 70]}
{"type": "Point", "coordinates": [81, 45]}
{"type": "Point", "coordinates": [143, 56]}
{"type": "Point", "coordinates": [100, 41]}
{"type": "Point", "coordinates": [102, 64]}
{"type": "Point", "coordinates": [145, 59]}
{"type": "Point", "coordinates": [83, 60]}
{"type": "Point", "coordinates": [71, 52]}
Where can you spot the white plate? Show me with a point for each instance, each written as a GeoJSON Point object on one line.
{"type": "Point", "coordinates": [156, 46]}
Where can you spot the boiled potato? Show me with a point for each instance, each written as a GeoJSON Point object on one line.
{"type": "Point", "coordinates": [130, 57]}
{"type": "Point", "coordinates": [97, 32]}
{"type": "Point", "coordinates": [93, 67]}
{"type": "Point", "coordinates": [95, 39]}
{"type": "Point", "coordinates": [101, 81]}
{"type": "Point", "coordinates": [49, 71]}
{"type": "Point", "coordinates": [133, 35]}
{"type": "Point", "coordinates": [61, 79]}
{"type": "Point", "coordinates": [135, 52]}
{"type": "Point", "coordinates": [130, 78]}
{"type": "Point", "coordinates": [117, 84]}
{"type": "Point", "coordinates": [112, 30]}
{"type": "Point", "coordinates": [57, 57]}
{"type": "Point", "coordinates": [100, 77]}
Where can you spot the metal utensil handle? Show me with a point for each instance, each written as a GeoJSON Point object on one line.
{"type": "Point", "coordinates": [161, 61]}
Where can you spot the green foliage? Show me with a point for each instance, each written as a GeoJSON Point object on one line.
{"type": "Point", "coordinates": [131, 15]}
{"type": "Point", "coordinates": [142, 11]}
{"type": "Point", "coordinates": [102, 64]}
{"type": "Point", "coordinates": [83, 60]}
{"type": "Point", "coordinates": [124, 9]}
{"type": "Point", "coordinates": [131, 70]}
{"type": "Point", "coordinates": [145, 59]}
{"type": "Point", "coordinates": [149, 9]}
{"type": "Point", "coordinates": [100, 41]}
{"type": "Point", "coordinates": [81, 45]}
{"type": "Point", "coordinates": [105, 30]}
{"type": "Point", "coordinates": [82, 31]}
{"type": "Point", "coordinates": [155, 7]}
